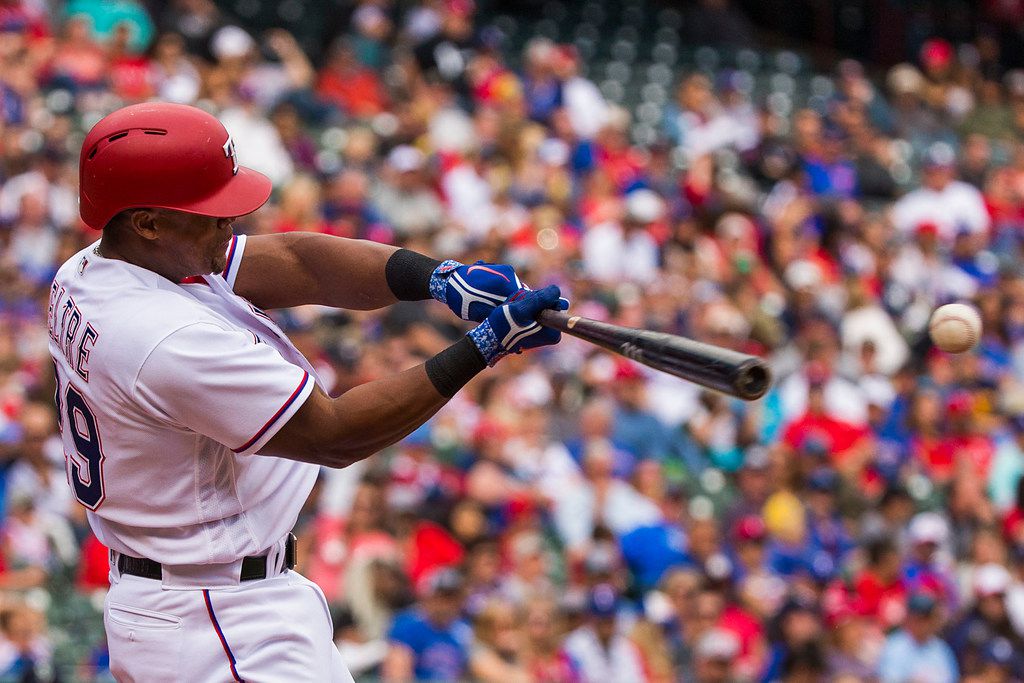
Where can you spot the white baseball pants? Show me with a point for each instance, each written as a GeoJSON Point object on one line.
{"type": "Point", "coordinates": [272, 630]}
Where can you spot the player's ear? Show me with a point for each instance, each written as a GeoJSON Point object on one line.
{"type": "Point", "coordinates": [143, 223]}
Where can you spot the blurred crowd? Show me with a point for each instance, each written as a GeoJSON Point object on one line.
{"type": "Point", "coordinates": [572, 517]}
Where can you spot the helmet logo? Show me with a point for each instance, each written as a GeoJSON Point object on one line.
{"type": "Point", "coordinates": [229, 151]}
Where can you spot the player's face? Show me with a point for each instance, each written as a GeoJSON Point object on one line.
{"type": "Point", "coordinates": [198, 244]}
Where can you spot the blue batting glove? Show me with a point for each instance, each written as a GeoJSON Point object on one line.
{"type": "Point", "coordinates": [513, 326]}
{"type": "Point", "coordinates": [472, 292]}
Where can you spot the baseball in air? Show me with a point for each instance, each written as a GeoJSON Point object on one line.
{"type": "Point", "coordinates": [955, 328]}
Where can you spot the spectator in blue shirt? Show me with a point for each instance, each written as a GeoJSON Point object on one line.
{"type": "Point", "coordinates": [915, 652]}
{"type": "Point", "coordinates": [430, 642]}
{"type": "Point", "coordinates": [826, 528]}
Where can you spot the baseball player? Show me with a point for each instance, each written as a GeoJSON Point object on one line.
{"type": "Point", "coordinates": [193, 428]}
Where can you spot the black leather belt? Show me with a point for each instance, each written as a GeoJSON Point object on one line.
{"type": "Point", "coordinates": [254, 568]}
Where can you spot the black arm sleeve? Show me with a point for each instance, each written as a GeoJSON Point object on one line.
{"type": "Point", "coordinates": [451, 369]}
{"type": "Point", "coordinates": [408, 274]}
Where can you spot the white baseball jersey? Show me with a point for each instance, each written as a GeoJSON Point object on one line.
{"type": "Point", "coordinates": [166, 391]}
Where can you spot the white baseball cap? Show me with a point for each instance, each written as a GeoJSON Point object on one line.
{"type": "Point", "coordinates": [718, 644]}
{"type": "Point", "coordinates": [644, 206]}
{"type": "Point", "coordinates": [991, 579]}
{"type": "Point", "coordinates": [803, 274]}
{"type": "Point", "coordinates": [231, 42]}
{"type": "Point", "coordinates": [928, 527]}
{"type": "Point", "coordinates": [405, 158]}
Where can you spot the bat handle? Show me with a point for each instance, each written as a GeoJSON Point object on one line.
{"type": "Point", "coordinates": [559, 320]}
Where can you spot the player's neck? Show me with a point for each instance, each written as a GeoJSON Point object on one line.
{"type": "Point", "coordinates": [142, 258]}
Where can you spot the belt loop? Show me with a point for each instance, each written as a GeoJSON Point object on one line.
{"type": "Point", "coordinates": [115, 571]}
{"type": "Point", "coordinates": [290, 552]}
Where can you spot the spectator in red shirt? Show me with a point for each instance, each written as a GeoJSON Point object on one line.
{"type": "Point", "coordinates": [352, 87]}
{"type": "Point", "coordinates": [967, 450]}
{"type": "Point", "coordinates": [848, 445]}
{"type": "Point", "coordinates": [879, 586]}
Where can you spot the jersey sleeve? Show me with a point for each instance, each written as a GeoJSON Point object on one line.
{"type": "Point", "coordinates": [236, 247]}
{"type": "Point", "coordinates": [222, 384]}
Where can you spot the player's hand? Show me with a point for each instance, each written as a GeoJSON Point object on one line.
{"type": "Point", "coordinates": [513, 326]}
{"type": "Point", "coordinates": [473, 291]}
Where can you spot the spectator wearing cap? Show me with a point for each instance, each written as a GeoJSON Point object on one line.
{"type": "Point", "coordinates": [603, 653]}
{"type": "Point", "coordinates": [637, 430]}
{"type": "Point", "coordinates": [985, 621]}
{"type": "Point", "coordinates": [542, 88]}
{"type": "Point", "coordinates": [964, 447]}
{"type": "Point", "coordinates": [615, 251]}
{"type": "Point", "coordinates": [430, 642]}
{"type": "Point", "coordinates": [846, 445]}
{"type": "Point", "coordinates": [914, 652]}
{"type": "Point", "coordinates": [925, 568]}
{"type": "Point", "coordinates": [831, 173]}
{"type": "Point", "coordinates": [714, 657]}
{"type": "Point", "coordinates": [826, 528]}
{"type": "Point", "coordinates": [942, 200]}
{"type": "Point", "coordinates": [749, 536]}
{"type": "Point", "coordinates": [938, 59]}
{"type": "Point", "coordinates": [891, 515]}
{"type": "Point", "coordinates": [402, 196]}
{"type": "Point", "coordinates": [483, 572]}
{"type": "Point", "coordinates": [753, 485]}
{"type": "Point", "coordinates": [530, 568]}
{"type": "Point", "coordinates": [349, 210]}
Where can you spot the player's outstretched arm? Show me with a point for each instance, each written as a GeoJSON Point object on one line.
{"type": "Point", "coordinates": [338, 432]}
{"type": "Point", "coordinates": [298, 268]}
{"type": "Point", "coordinates": [306, 268]}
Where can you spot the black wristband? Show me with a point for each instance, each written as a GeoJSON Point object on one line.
{"type": "Point", "coordinates": [408, 275]}
{"type": "Point", "coordinates": [451, 369]}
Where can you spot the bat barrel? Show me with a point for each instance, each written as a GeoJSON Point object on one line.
{"type": "Point", "coordinates": [730, 372]}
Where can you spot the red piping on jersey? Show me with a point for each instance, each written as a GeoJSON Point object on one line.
{"type": "Point", "coordinates": [231, 256]}
{"type": "Point", "coordinates": [194, 280]}
{"type": "Point", "coordinates": [271, 421]}
{"type": "Point", "coordinates": [220, 634]}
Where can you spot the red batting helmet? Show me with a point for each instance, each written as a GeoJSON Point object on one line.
{"type": "Point", "coordinates": [164, 156]}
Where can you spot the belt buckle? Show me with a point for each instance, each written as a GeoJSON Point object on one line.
{"type": "Point", "coordinates": [289, 551]}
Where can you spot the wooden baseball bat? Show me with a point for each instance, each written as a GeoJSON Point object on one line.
{"type": "Point", "coordinates": [724, 370]}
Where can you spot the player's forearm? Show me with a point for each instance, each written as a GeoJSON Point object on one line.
{"type": "Point", "coordinates": [375, 415]}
